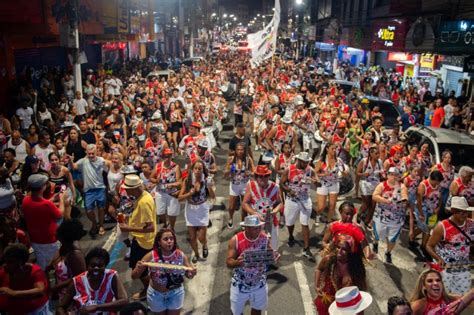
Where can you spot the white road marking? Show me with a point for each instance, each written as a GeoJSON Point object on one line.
{"type": "Point", "coordinates": [199, 289]}
{"type": "Point", "coordinates": [304, 289]}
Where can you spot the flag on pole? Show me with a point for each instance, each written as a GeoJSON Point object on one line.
{"type": "Point", "coordinates": [263, 42]}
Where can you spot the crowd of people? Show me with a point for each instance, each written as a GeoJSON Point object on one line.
{"type": "Point", "coordinates": [130, 148]}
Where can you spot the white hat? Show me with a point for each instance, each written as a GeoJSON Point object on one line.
{"type": "Point", "coordinates": [132, 181]}
{"type": "Point", "coordinates": [156, 115]}
{"type": "Point", "coordinates": [460, 203]}
{"type": "Point", "coordinates": [203, 143]}
{"type": "Point", "coordinates": [303, 156]}
{"type": "Point", "coordinates": [299, 102]}
{"type": "Point", "coordinates": [139, 109]}
{"type": "Point", "coordinates": [313, 106]}
{"type": "Point", "coordinates": [252, 221]}
{"type": "Point", "coordinates": [286, 120]}
{"type": "Point", "coordinates": [350, 301]}
{"type": "Point", "coordinates": [394, 170]}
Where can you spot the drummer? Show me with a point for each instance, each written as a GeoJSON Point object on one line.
{"type": "Point", "coordinates": [262, 198]}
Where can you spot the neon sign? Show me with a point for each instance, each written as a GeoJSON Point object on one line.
{"type": "Point", "coordinates": [387, 34]}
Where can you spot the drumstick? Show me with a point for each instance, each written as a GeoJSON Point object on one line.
{"type": "Point", "coordinates": [167, 266]}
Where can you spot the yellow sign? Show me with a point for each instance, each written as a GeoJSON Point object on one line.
{"type": "Point", "coordinates": [427, 61]}
{"type": "Point", "coordinates": [385, 34]}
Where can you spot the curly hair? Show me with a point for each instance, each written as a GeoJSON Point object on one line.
{"type": "Point", "coordinates": [70, 231]}
{"type": "Point", "coordinates": [355, 261]}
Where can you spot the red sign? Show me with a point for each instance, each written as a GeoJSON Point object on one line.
{"type": "Point", "coordinates": [389, 35]}
{"type": "Point", "coordinates": [398, 56]}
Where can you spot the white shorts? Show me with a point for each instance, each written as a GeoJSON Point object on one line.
{"type": "Point", "coordinates": [384, 231]}
{"type": "Point", "coordinates": [258, 299]}
{"type": "Point", "coordinates": [302, 208]}
{"type": "Point", "coordinates": [237, 190]}
{"type": "Point", "coordinates": [457, 282]}
{"type": "Point", "coordinates": [367, 188]}
{"type": "Point", "coordinates": [197, 215]}
{"type": "Point", "coordinates": [166, 204]}
{"type": "Point", "coordinates": [328, 190]}
{"type": "Point", "coordinates": [44, 253]}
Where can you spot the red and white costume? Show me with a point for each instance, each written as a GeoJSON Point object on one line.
{"type": "Point", "coordinates": [86, 296]}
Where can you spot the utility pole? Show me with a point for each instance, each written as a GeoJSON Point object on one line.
{"type": "Point", "coordinates": [76, 50]}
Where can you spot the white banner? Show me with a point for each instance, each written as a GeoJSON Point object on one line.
{"type": "Point", "coordinates": [263, 43]}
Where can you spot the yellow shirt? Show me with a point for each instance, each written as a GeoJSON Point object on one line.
{"type": "Point", "coordinates": [144, 212]}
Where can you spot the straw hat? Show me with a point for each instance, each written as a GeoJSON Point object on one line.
{"type": "Point", "coordinates": [132, 181]}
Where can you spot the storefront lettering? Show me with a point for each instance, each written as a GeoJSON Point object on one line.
{"type": "Point", "coordinates": [387, 35]}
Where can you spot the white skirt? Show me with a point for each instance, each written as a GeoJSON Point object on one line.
{"type": "Point", "coordinates": [197, 215]}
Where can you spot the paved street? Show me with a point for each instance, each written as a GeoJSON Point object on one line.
{"type": "Point", "coordinates": [291, 287]}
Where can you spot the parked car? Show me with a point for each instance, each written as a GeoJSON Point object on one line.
{"type": "Point", "coordinates": [192, 60]}
{"type": "Point", "coordinates": [440, 139]}
{"type": "Point", "coordinates": [347, 86]}
{"type": "Point", "coordinates": [390, 112]}
{"type": "Point", "coordinates": [160, 74]}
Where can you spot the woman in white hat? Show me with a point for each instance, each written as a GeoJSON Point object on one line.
{"type": "Point", "coordinates": [350, 301]}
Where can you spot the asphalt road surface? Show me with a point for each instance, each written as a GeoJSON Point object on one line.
{"type": "Point", "coordinates": [291, 287]}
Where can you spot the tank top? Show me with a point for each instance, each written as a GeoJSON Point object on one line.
{"type": "Point", "coordinates": [431, 197]}
{"type": "Point", "coordinates": [20, 150]}
{"type": "Point", "coordinates": [153, 151]}
{"type": "Point", "coordinates": [375, 171]}
{"type": "Point", "coordinates": [298, 181]}
{"type": "Point", "coordinates": [159, 275]}
{"type": "Point", "coordinates": [166, 175]}
{"type": "Point", "coordinates": [113, 179]}
{"type": "Point", "coordinates": [412, 184]}
{"type": "Point", "coordinates": [59, 181]}
{"type": "Point", "coordinates": [393, 213]}
{"type": "Point", "coordinates": [85, 295]}
{"type": "Point", "coordinates": [262, 200]}
{"type": "Point", "coordinates": [76, 149]}
{"type": "Point", "coordinates": [433, 307]}
{"type": "Point", "coordinates": [448, 175]}
{"type": "Point", "coordinates": [238, 175]}
{"type": "Point", "coordinates": [247, 279]}
{"type": "Point", "coordinates": [454, 246]}
{"type": "Point", "coordinates": [333, 177]}
{"type": "Point", "coordinates": [62, 273]}
{"type": "Point", "coordinates": [282, 136]}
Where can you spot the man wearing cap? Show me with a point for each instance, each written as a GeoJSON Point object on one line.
{"type": "Point", "coordinates": [249, 282]}
{"type": "Point", "coordinates": [262, 198]}
{"type": "Point", "coordinates": [391, 198]}
{"type": "Point", "coordinates": [189, 142]}
{"type": "Point", "coordinates": [41, 216]}
{"type": "Point", "coordinates": [449, 245]}
{"type": "Point", "coordinates": [296, 183]}
{"type": "Point", "coordinates": [141, 225]}
{"type": "Point", "coordinates": [282, 133]}
{"type": "Point", "coordinates": [92, 168]}
{"type": "Point", "coordinates": [167, 177]}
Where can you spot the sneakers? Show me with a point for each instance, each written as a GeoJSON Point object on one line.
{"type": "Point", "coordinates": [195, 259]}
{"type": "Point", "coordinates": [413, 245]}
{"type": "Point", "coordinates": [388, 258]}
{"type": "Point", "coordinates": [205, 252]}
{"type": "Point", "coordinates": [291, 241]}
{"type": "Point", "coordinates": [230, 224]}
{"type": "Point", "coordinates": [209, 225]}
{"type": "Point", "coordinates": [317, 220]}
{"type": "Point", "coordinates": [375, 248]}
{"type": "Point", "coordinates": [307, 253]}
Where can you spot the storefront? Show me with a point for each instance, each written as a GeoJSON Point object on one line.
{"type": "Point", "coordinates": [455, 41]}
{"type": "Point", "coordinates": [388, 36]}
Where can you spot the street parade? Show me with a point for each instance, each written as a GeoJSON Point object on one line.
{"type": "Point", "coordinates": [261, 181]}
